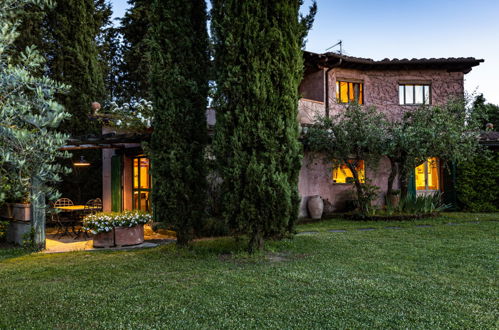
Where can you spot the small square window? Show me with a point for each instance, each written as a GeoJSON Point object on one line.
{"type": "Point", "coordinates": [412, 94]}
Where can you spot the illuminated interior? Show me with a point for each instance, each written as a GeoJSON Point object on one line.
{"type": "Point", "coordinates": [347, 92]}
{"type": "Point", "coordinates": [342, 174]}
{"type": "Point", "coordinates": [427, 175]}
{"type": "Point", "coordinates": [141, 188]}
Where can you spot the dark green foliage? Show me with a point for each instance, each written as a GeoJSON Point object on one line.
{"type": "Point", "coordinates": [133, 79]}
{"type": "Point", "coordinates": [488, 112]}
{"type": "Point", "coordinates": [179, 88]}
{"type": "Point", "coordinates": [478, 182]}
{"type": "Point", "coordinates": [75, 37]}
{"type": "Point", "coordinates": [259, 66]}
{"type": "Point", "coordinates": [74, 60]}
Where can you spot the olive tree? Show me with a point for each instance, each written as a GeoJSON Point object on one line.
{"type": "Point", "coordinates": [356, 135]}
{"type": "Point", "coordinates": [449, 132]}
{"type": "Point", "coordinates": [29, 117]}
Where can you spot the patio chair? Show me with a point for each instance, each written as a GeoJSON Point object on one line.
{"type": "Point", "coordinates": [62, 221]}
{"type": "Point", "coordinates": [97, 204]}
{"type": "Point", "coordinates": [63, 202]}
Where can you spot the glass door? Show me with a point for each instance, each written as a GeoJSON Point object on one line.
{"type": "Point", "coordinates": [141, 186]}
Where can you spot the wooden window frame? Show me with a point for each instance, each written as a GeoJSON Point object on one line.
{"type": "Point", "coordinates": [361, 95]}
{"type": "Point", "coordinates": [139, 189]}
{"type": "Point", "coordinates": [405, 85]}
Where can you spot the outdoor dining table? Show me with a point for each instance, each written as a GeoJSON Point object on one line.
{"type": "Point", "coordinates": [74, 209]}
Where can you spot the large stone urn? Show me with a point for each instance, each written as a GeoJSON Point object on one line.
{"type": "Point", "coordinates": [315, 207]}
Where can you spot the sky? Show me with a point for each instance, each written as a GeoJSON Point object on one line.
{"type": "Point", "coordinates": [381, 29]}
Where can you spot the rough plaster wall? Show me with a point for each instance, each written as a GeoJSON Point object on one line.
{"type": "Point", "coordinates": [312, 86]}
{"type": "Point", "coordinates": [309, 110]}
{"type": "Point", "coordinates": [316, 179]}
{"type": "Point", "coordinates": [381, 87]}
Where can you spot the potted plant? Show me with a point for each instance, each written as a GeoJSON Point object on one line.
{"type": "Point", "coordinates": [129, 228]}
{"type": "Point", "coordinates": [116, 229]}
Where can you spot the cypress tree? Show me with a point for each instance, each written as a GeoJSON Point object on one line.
{"type": "Point", "coordinates": [259, 66]}
{"type": "Point", "coordinates": [178, 41]}
{"type": "Point", "coordinates": [74, 60]}
{"type": "Point", "coordinates": [134, 80]}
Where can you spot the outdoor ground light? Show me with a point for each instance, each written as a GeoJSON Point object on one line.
{"type": "Point", "coordinates": [81, 162]}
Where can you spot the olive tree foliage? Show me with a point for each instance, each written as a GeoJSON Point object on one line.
{"type": "Point", "coordinates": [29, 117]}
{"type": "Point", "coordinates": [449, 132]}
{"type": "Point", "coordinates": [350, 137]}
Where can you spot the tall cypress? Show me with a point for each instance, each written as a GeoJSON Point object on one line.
{"type": "Point", "coordinates": [259, 66]}
{"type": "Point", "coordinates": [74, 60]}
{"type": "Point", "coordinates": [178, 42]}
{"type": "Point", "coordinates": [133, 79]}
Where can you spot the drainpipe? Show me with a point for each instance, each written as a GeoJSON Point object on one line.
{"type": "Point", "coordinates": [327, 84]}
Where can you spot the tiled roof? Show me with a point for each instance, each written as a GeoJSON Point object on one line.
{"type": "Point", "coordinates": [459, 64]}
{"type": "Point", "coordinates": [490, 138]}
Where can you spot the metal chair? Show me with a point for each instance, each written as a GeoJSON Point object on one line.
{"type": "Point", "coordinates": [97, 204]}
{"type": "Point", "coordinates": [65, 219]}
{"type": "Point", "coordinates": [63, 202]}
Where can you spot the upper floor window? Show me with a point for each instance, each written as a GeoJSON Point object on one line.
{"type": "Point", "coordinates": [414, 94]}
{"type": "Point", "coordinates": [347, 92]}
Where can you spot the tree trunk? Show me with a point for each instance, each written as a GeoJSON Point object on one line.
{"type": "Point", "coordinates": [392, 176]}
{"type": "Point", "coordinates": [404, 183]}
{"type": "Point", "coordinates": [38, 212]}
{"type": "Point", "coordinates": [358, 186]}
{"type": "Point", "coordinates": [256, 241]}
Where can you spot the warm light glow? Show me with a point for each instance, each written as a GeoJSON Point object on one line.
{"type": "Point", "coordinates": [81, 162]}
{"type": "Point", "coordinates": [343, 174]}
{"type": "Point", "coordinates": [141, 184]}
{"type": "Point", "coordinates": [427, 175]}
{"type": "Point", "coordinates": [347, 92]}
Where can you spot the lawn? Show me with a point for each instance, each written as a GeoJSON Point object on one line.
{"type": "Point", "coordinates": [444, 276]}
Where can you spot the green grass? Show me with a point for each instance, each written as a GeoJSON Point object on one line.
{"type": "Point", "coordinates": [438, 277]}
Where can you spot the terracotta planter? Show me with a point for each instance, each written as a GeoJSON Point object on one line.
{"type": "Point", "coordinates": [315, 206]}
{"type": "Point", "coordinates": [129, 235]}
{"type": "Point", "coordinates": [105, 239]}
{"type": "Point", "coordinates": [16, 211]}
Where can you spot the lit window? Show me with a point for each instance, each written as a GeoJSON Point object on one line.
{"type": "Point", "coordinates": [141, 189]}
{"type": "Point", "coordinates": [414, 94]}
{"type": "Point", "coordinates": [427, 175]}
{"type": "Point", "coordinates": [342, 174]}
{"type": "Point", "coordinates": [347, 92]}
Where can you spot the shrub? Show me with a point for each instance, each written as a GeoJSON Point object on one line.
{"type": "Point", "coordinates": [477, 182]}
{"type": "Point", "coordinates": [3, 230]}
{"type": "Point", "coordinates": [425, 204]}
{"type": "Point", "coordinates": [106, 221]}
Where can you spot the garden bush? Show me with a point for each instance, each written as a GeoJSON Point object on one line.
{"type": "Point", "coordinates": [477, 182]}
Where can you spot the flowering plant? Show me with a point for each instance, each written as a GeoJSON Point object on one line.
{"type": "Point", "coordinates": [106, 221]}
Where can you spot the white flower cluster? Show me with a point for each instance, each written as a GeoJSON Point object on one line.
{"type": "Point", "coordinates": [105, 222]}
{"type": "Point", "coordinates": [134, 114]}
